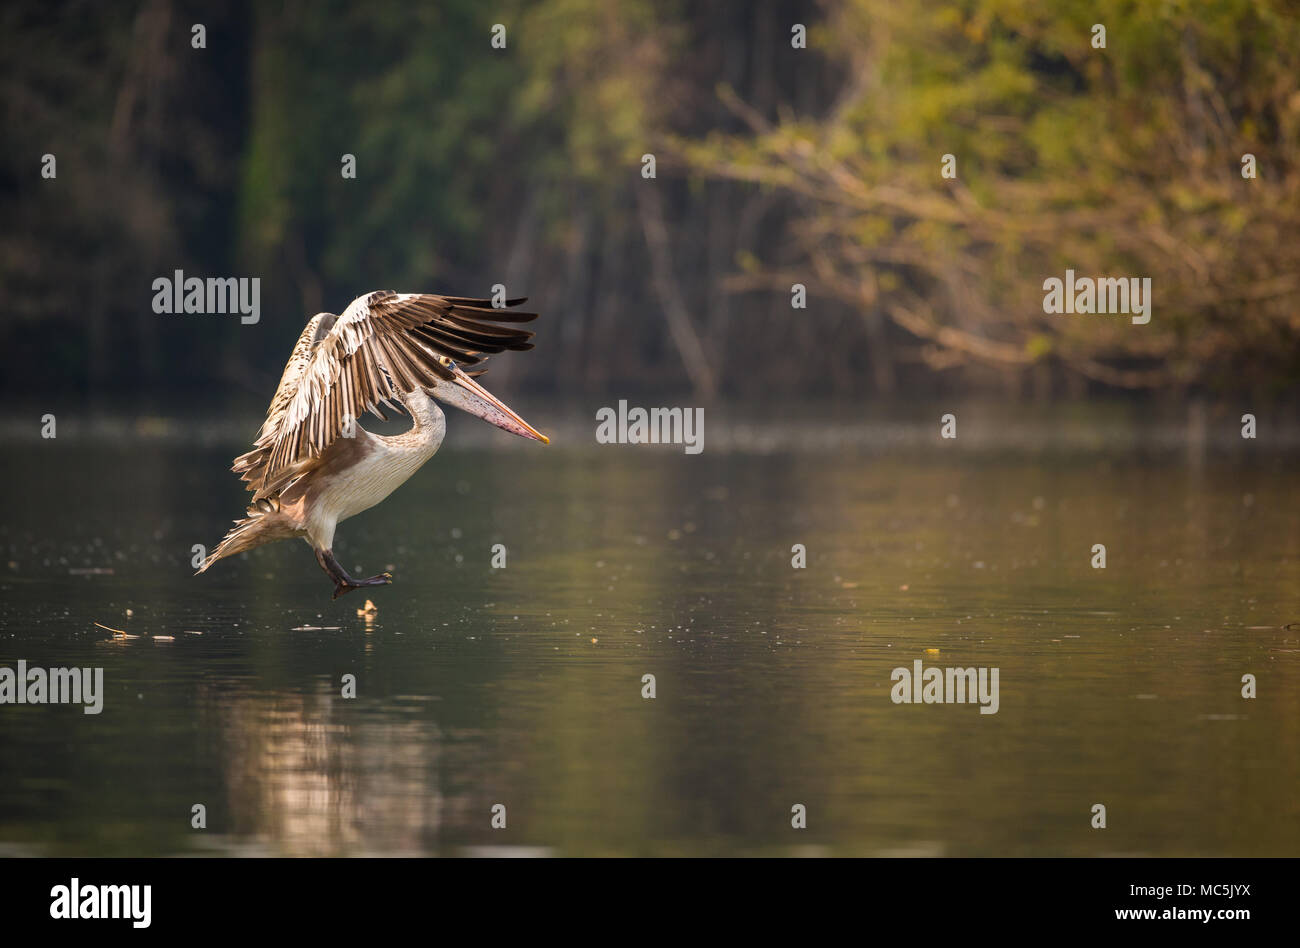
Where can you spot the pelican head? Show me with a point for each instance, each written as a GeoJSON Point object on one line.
{"type": "Point", "coordinates": [461, 391]}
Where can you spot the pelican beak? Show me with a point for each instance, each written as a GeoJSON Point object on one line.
{"type": "Point", "coordinates": [464, 393]}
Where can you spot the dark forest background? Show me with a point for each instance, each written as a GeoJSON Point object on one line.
{"type": "Point", "coordinates": [775, 165]}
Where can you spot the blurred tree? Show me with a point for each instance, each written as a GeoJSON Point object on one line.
{"type": "Point", "coordinates": [1122, 161]}
{"type": "Point", "coordinates": [775, 165]}
{"type": "Point", "coordinates": [146, 133]}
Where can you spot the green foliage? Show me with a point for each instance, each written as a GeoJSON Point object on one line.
{"type": "Point", "coordinates": [775, 165]}
{"type": "Point", "coordinates": [425, 117]}
{"type": "Point", "coordinates": [1122, 161]}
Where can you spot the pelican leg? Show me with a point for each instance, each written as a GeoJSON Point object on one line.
{"type": "Point", "coordinates": [343, 583]}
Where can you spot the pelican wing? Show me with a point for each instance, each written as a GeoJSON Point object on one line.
{"type": "Point", "coordinates": [384, 345]}
{"type": "Point", "coordinates": [317, 328]}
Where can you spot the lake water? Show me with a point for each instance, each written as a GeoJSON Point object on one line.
{"type": "Point", "coordinates": [522, 686]}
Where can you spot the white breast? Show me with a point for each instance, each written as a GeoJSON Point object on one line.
{"type": "Point", "coordinates": [387, 464]}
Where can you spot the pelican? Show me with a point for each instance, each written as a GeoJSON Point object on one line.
{"type": "Point", "coordinates": [312, 466]}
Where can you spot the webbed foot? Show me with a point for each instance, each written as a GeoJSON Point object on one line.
{"type": "Point", "coordinates": [343, 583]}
{"type": "Point", "coordinates": [348, 584]}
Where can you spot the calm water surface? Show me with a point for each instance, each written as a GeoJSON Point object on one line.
{"type": "Point", "coordinates": [522, 686]}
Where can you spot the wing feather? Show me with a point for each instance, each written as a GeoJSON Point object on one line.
{"type": "Point", "coordinates": [315, 330]}
{"type": "Point", "coordinates": [384, 345]}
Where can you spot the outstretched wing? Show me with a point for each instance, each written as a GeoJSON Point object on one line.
{"type": "Point", "coordinates": [384, 345]}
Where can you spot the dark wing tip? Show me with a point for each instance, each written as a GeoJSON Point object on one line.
{"type": "Point", "coordinates": [491, 314]}
{"type": "Point", "coordinates": [478, 301]}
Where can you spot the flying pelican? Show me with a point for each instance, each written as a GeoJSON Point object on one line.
{"type": "Point", "coordinates": [313, 466]}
